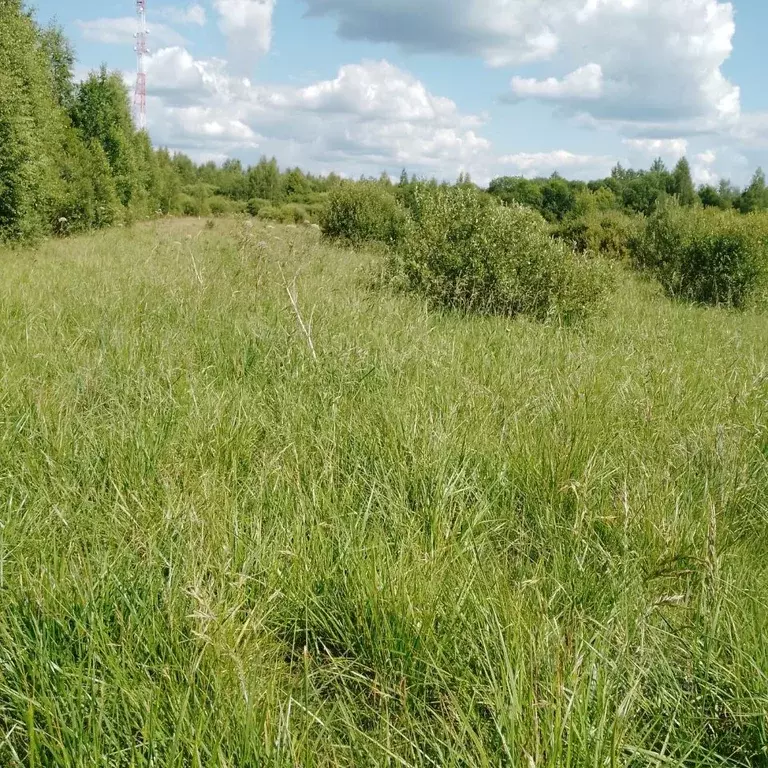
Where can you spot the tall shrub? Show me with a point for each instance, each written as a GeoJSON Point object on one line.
{"type": "Point", "coordinates": [464, 250]}
{"type": "Point", "coordinates": [705, 255]}
{"type": "Point", "coordinates": [363, 212]}
{"type": "Point", "coordinates": [608, 233]}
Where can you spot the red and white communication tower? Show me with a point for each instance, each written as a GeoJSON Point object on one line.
{"type": "Point", "coordinates": [142, 51]}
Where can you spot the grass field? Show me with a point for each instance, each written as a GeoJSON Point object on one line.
{"type": "Point", "coordinates": [254, 512]}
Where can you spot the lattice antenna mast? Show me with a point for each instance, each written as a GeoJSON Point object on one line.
{"type": "Point", "coordinates": [142, 51]}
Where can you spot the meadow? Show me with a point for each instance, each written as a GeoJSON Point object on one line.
{"type": "Point", "coordinates": [256, 511]}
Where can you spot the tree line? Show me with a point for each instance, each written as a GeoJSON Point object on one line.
{"type": "Point", "coordinates": [70, 157]}
{"type": "Point", "coordinates": [631, 191]}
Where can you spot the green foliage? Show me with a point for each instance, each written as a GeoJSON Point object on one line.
{"type": "Point", "coordinates": [288, 213]}
{"type": "Point", "coordinates": [255, 204]}
{"type": "Point", "coordinates": [363, 212]}
{"type": "Point", "coordinates": [30, 128]}
{"type": "Point", "coordinates": [705, 255]}
{"type": "Point", "coordinates": [755, 197]}
{"type": "Point", "coordinates": [609, 233]}
{"type": "Point", "coordinates": [409, 195]}
{"type": "Point", "coordinates": [54, 180]}
{"type": "Point", "coordinates": [462, 250]}
{"type": "Point", "coordinates": [682, 183]}
{"type": "Point", "coordinates": [264, 180]}
{"type": "Point", "coordinates": [295, 184]}
{"type": "Point", "coordinates": [188, 205]}
{"type": "Point", "coordinates": [557, 199]}
{"type": "Point", "coordinates": [631, 190]}
{"type": "Point", "coordinates": [195, 199]}
{"type": "Point", "coordinates": [219, 205]}
{"type": "Point", "coordinates": [167, 184]}
{"type": "Point", "coordinates": [202, 200]}
{"type": "Point", "coordinates": [87, 195]}
{"type": "Point", "coordinates": [729, 194]}
{"type": "Point", "coordinates": [464, 180]}
{"type": "Point", "coordinates": [589, 201]}
{"type": "Point", "coordinates": [316, 211]}
{"type": "Point", "coordinates": [144, 180]}
{"type": "Point", "coordinates": [145, 199]}
{"type": "Point", "coordinates": [60, 58]}
{"type": "Point", "coordinates": [232, 181]}
{"type": "Point", "coordinates": [644, 192]}
{"type": "Point", "coordinates": [102, 113]}
{"type": "Point", "coordinates": [516, 189]}
{"type": "Point", "coordinates": [710, 197]}
{"type": "Point", "coordinates": [184, 168]}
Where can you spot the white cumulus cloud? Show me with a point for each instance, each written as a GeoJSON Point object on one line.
{"type": "Point", "coordinates": [652, 62]}
{"type": "Point", "coordinates": [665, 148]}
{"type": "Point", "coordinates": [583, 83]}
{"type": "Point", "coordinates": [752, 130]}
{"type": "Point", "coordinates": [562, 161]}
{"type": "Point", "coordinates": [247, 24]}
{"type": "Point", "coordinates": [370, 116]}
{"type": "Point", "coordinates": [500, 31]}
{"type": "Point", "coordinates": [703, 170]}
{"type": "Point", "coordinates": [379, 90]}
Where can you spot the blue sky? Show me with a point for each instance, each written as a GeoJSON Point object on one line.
{"type": "Point", "coordinates": [491, 87]}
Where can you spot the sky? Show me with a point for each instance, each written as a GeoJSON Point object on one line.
{"type": "Point", "coordinates": [439, 87]}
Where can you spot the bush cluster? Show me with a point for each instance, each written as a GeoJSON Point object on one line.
{"type": "Point", "coordinates": [290, 213]}
{"type": "Point", "coordinates": [463, 250]}
{"type": "Point", "coordinates": [363, 212]}
{"type": "Point", "coordinates": [256, 204]}
{"type": "Point", "coordinates": [707, 255]}
{"type": "Point", "coordinates": [608, 233]}
{"type": "Point", "coordinates": [224, 206]}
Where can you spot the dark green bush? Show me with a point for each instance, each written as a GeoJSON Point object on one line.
{"type": "Point", "coordinates": [608, 233]}
{"type": "Point", "coordinates": [195, 199]}
{"type": "Point", "coordinates": [220, 206]}
{"type": "Point", "coordinates": [87, 197]}
{"type": "Point", "coordinates": [288, 213]}
{"type": "Point", "coordinates": [363, 212]}
{"type": "Point", "coordinates": [294, 213]}
{"type": "Point", "coordinates": [255, 204]}
{"type": "Point", "coordinates": [271, 213]}
{"type": "Point", "coordinates": [316, 211]}
{"type": "Point", "coordinates": [463, 250]}
{"type": "Point", "coordinates": [705, 255]}
{"type": "Point", "coordinates": [192, 206]}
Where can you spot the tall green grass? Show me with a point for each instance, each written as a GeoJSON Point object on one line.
{"type": "Point", "coordinates": [255, 514]}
